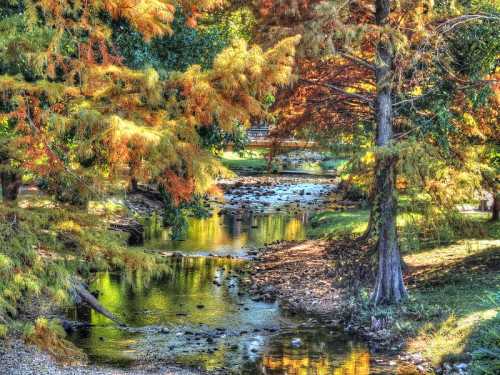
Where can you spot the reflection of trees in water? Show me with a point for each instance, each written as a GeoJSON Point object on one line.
{"type": "Point", "coordinates": [293, 362]}
{"type": "Point", "coordinates": [236, 231]}
{"type": "Point", "coordinates": [188, 283]}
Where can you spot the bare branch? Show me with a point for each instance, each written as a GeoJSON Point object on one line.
{"type": "Point", "coordinates": [457, 21]}
{"type": "Point", "coordinates": [357, 60]}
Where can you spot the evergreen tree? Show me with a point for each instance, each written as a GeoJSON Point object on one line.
{"type": "Point", "coordinates": [379, 61]}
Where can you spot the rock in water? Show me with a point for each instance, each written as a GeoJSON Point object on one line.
{"type": "Point", "coordinates": [296, 343]}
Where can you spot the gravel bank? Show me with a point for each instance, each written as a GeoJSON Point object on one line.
{"type": "Point", "coordinates": [17, 358]}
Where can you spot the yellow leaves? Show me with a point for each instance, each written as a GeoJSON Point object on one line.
{"type": "Point", "coordinates": [368, 158]}
{"type": "Point", "coordinates": [233, 89]}
{"type": "Point", "coordinates": [122, 130]}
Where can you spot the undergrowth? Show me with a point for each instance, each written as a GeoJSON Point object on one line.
{"type": "Point", "coordinates": [43, 249]}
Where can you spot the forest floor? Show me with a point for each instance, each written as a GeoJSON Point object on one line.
{"type": "Point", "coordinates": [449, 323]}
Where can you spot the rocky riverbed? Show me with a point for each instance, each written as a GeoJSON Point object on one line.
{"type": "Point", "coordinates": [201, 314]}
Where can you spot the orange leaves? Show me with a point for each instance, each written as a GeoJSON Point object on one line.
{"type": "Point", "coordinates": [150, 17]}
{"type": "Point", "coordinates": [181, 189]}
{"type": "Point", "coordinates": [286, 9]}
{"type": "Point", "coordinates": [124, 120]}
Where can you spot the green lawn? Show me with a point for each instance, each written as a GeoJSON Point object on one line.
{"type": "Point", "coordinates": [454, 311]}
{"type": "Point", "coordinates": [453, 314]}
{"type": "Point", "coordinates": [250, 159]}
{"type": "Point", "coordinates": [331, 223]}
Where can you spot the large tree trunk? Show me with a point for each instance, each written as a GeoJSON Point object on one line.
{"type": "Point", "coordinates": [11, 182]}
{"type": "Point", "coordinates": [389, 287]}
{"type": "Point", "coordinates": [495, 209]}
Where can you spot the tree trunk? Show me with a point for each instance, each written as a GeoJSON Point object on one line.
{"type": "Point", "coordinates": [389, 287]}
{"type": "Point", "coordinates": [11, 182]}
{"type": "Point", "coordinates": [495, 208]}
{"type": "Point", "coordinates": [134, 185]}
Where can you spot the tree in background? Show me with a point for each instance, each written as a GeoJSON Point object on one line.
{"type": "Point", "coordinates": [76, 111]}
{"type": "Point", "coordinates": [387, 63]}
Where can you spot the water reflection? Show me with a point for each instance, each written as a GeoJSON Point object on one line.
{"type": "Point", "coordinates": [199, 315]}
{"type": "Point", "coordinates": [233, 234]}
{"type": "Point", "coordinates": [321, 354]}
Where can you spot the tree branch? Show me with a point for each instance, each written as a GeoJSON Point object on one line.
{"type": "Point", "coordinates": [358, 97]}
{"type": "Point", "coordinates": [457, 21]}
{"type": "Point", "coordinates": [357, 60]}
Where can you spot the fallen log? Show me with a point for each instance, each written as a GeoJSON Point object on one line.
{"type": "Point", "coordinates": [90, 300]}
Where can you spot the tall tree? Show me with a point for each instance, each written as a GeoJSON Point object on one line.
{"type": "Point", "coordinates": [385, 59]}
{"type": "Point", "coordinates": [389, 286]}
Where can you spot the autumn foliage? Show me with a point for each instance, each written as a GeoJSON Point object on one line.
{"type": "Point", "coordinates": [88, 115]}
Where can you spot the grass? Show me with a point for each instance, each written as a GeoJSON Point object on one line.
{"type": "Point", "coordinates": [51, 336]}
{"type": "Point", "coordinates": [254, 159]}
{"type": "Point", "coordinates": [453, 275]}
{"type": "Point", "coordinates": [461, 283]}
{"type": "Point", "coordinates": [453, 313]}
{"type": "Point", "coordinates": [332, 164]}
{"type": "Point", "coordinates": [333, 223]}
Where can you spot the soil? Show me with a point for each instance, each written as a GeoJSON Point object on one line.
{"type": "Point", "coordinates": [314, 276]}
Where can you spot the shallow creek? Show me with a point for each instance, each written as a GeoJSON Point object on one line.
{"type": "Point", "coordinates": [199, 314]}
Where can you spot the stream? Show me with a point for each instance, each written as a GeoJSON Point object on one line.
{"type": "Point", "coordinates": [199, 314]}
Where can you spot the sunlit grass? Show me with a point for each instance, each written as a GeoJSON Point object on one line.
{"type": "Point", "coordinates": [461, 283]}
{"type": "Point", "coordinates": [331, 223]}
{"type": "Point", "coordinates": [453, 314]}
{"type": "Point", "coordinates": [449, 340]}
{"type": "Point", "coordinates": [249, 159]}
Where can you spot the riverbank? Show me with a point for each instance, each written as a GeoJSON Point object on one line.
{"type": "Point", "coordinates": [18, 358]}
{"type": "Point", "coordinates": [448, 325]}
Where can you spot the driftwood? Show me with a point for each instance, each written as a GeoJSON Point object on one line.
{"type": "Point", "coordinates": [88, 298]}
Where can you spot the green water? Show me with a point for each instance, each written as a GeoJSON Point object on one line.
{"type": "Point", "coordinates": [233, 235]}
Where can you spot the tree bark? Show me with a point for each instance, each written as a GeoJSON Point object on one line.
{"type": "Point", "coordinates": [495, 209]}
{"type": "Point", "coordinates": [11, 182]}
{"type": "Point", "coordinates": [86, 296]}
{"type": "Point", "coordinates": [389, 287]}
{"type": "Point", "coordinates": [134, 185]}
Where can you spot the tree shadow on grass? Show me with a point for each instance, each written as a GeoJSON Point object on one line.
{"type": "Point", "coordinates": [484, 343]}
{"type": "Point", "coordinates": [452, 311]}
{"type": "Point", "coordinates": [484, 261]}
